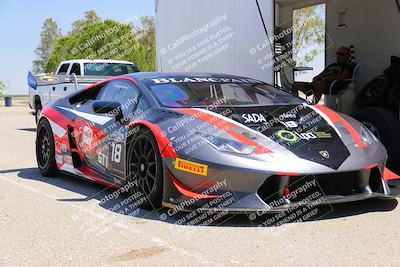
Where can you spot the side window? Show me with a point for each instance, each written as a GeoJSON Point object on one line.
{"type": "Point", "coordinates": [142, 105]}
{"type": "Point", "coordinates": [84, 96]}
{"type": "Point", "coordinates": [121, 91]}
{"type": "Point", "coordinates": [63, 69]}
{"type": "Point", "coordinates": [76, 68]}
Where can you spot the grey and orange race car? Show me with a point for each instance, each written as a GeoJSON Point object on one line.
{"type": "Point", "coordinates": [211, 142]}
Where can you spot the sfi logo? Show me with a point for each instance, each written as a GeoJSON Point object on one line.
{"type": "Point", "coordinates": [254, 117]}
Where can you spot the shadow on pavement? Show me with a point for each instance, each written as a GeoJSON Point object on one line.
{"type": "Point", "coordinates": [105, 196]}
{"type": "Point", "coordinates": [27, 129]}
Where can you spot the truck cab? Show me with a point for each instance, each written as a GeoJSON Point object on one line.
{"type": "Point", "coordinates": [70, 76]}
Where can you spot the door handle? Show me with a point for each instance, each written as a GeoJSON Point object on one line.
{"type": "Point", "coordinates": [54, 88]}
{"type": "Point", "coordinates": [65, 88]}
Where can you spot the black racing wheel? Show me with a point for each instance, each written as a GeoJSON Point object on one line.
{"type": "Point", "coordinates": [386, 128]}
{"type": "Point", "coordinates": [45, 149]}
{"type": "Point", "coordinates": [144, 170]}
{"type": "Point", "coordinates": [374, 93]}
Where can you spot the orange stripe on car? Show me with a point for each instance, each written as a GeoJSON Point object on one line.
{"type": "Point", "coordinates": [225, 126]}
{"type": "Point", "coordinates": [186, 191]}
{"type": "Point", "coordinates": [164, 145]}
{"type": "Point", "coordinates": [335, 118]}
{"type": "Point", "coordinates": [389, 175]}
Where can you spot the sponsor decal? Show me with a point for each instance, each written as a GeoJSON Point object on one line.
{"type": "Point", "coordinates": [293, 136]}
{"type": "Point", "coordinates": [58, 147]}
{"type": "Point", "coordinates": [324, 154]}
{"type": "Point", "coordinates": [287, 136]}
{"type": "Point", "coordinates": [290, 136]}
{"type": "Point", "coordinates": [191, 167]}
{"type": "Point", "coordinates": [203, 80]}
{"type": "Point", "coordinates": [67, 159]}
{"type": "Point", "coordinates": [254, 117]}
{"type": "Point", "coordinates": [323, 135]}
{"type": "Point", "coordinates": [287, 116]}
{"type": "Point", "coordinates": [87, 135]}
{"type": "Point", "coordinates": [59, 159]}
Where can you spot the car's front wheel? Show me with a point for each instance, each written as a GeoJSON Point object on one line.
{"type": "Point", "coordinates": [144, 170]}
{"type": "Point", "coordinates": [45, 149]}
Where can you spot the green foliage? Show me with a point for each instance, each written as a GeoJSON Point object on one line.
{"type": "Point", "coordinates": [309, 27]}
{"type": "Point", "coordinates": [92, 38]}
{"type": "Point", "coordinates": [90, 18]}
{"type": "Point", "coordinates": [48, 37]}
{"type": "Point", "coordinates": [2, 88]}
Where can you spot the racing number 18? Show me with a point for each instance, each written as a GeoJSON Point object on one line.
{"type": "Point", "coordinates": [116, 152]}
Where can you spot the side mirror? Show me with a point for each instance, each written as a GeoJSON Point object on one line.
{"type": "Point", "coordinates": [72, 78]}
{"type": "Point", "coordinates": [108, 107]}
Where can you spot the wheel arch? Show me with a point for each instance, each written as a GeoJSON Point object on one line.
{"type": "Point", "coordinates": [164, 145]}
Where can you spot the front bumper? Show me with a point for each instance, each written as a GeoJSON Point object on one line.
{"type": "Point", "coordinates": [248, 191]}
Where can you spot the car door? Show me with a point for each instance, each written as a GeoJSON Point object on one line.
{"type": "Point", "coordinates": [113, 152]}
{"type": "Point", "coordinates": [58, 89]}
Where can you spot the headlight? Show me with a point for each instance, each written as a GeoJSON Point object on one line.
{"type": "Point", "coordinates": [225, 145]}
{"type": "Point", "coordinates": [367, 137]}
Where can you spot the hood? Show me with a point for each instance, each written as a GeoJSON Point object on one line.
{"type": "Point", "coordinates": [299, 129]}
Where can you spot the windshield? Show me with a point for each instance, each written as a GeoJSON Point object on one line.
{"type": "Point", "coordinates": [109, 69]}
{"type": "Point", "coordinates": [204, 94]}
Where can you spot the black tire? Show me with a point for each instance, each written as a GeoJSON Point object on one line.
{"type": "Point", "coordinates": [145, 169]}
{"type": "Point", "coordinates": [45, 149]}
{"type": "Point", "coordinates": [393, 95]}
{"type": "Point", "coordinates": [374, 93]}
{"type": "Point", "coordinates": [387, 128]}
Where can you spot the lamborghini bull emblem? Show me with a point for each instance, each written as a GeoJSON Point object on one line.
{"type": "Point", "coordinates": [324, 154]}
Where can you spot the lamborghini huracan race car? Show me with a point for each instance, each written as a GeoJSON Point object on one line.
{"type": "Point", "coordinates": [211, 142]}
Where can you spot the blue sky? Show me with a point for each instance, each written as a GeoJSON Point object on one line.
{"type": "Point", "coordinates": [21, 21]}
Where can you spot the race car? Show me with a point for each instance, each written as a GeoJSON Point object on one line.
{"type": "Point", "coordinates": [207, 142]}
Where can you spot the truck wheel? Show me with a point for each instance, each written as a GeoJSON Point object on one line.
{"type": "Point", "coordinates": [386, 128]}
{"type": "Point", "coordinates": [38, 109]}
{"type": "Point", "coordinates": [45, 149]}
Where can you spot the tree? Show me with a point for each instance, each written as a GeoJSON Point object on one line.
{"type": "Point", "coordinates": [2, 88]}
{"type": "Point", "coordinates": [108, 40]}
{"type": "Point", "coordinates": [309, 30]}
{"type": "Point", "coordinates": [148, 32]}
{"type": "Point", "coordinates": [48, 37]}
{"type": "Point", "coordinates": [89, 19]}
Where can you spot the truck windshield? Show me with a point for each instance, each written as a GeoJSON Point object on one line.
{"type": "Point", "coordinates": [109, 69]}
{"type": "Point", "coordinates": [222, 94]}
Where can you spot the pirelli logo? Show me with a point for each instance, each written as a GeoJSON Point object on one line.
{"type": "Point", "coordinates": [192, 167]}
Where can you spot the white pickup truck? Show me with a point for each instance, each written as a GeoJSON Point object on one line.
{"type": "Point", "coordinates": [71, 76]}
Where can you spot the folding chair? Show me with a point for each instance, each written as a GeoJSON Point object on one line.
{"type": "Point", "coordinates": [345, 99]}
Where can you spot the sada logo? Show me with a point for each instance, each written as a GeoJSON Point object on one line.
{"type": "Point", "coordinates": [254, 118]}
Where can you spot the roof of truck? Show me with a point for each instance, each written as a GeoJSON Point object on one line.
{"type": "Point", "coordinates": [95, 61]}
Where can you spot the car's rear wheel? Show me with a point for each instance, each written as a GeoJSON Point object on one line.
{"type": "Point", "coordinates": [145, 172]}
{"type": "Point", "coordinates": [45, 149]}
